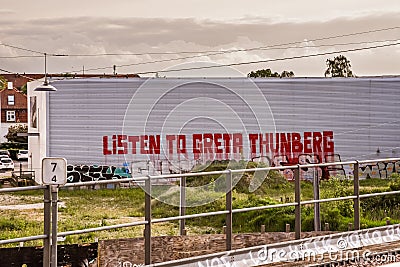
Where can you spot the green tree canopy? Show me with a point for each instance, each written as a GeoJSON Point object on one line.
{"type": "Point", "coordinates": [287, 74]}
{"type": "Point", "coordinates": [24, 89]}
{"type": "Point", "coordinates": [268, 73]}
{"type": "Point", "coordinates": [3, 83]}
{"type": "Point", "coordinates": [13, 130]}
{"type": "Point", "coordinates": [338, 67]}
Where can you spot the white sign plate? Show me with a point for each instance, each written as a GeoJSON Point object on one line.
{"type": "Point", "coordinates": [54, 171]}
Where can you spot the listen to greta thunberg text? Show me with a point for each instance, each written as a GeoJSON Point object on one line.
{"type": "Point", "coordinates": [222, 146]}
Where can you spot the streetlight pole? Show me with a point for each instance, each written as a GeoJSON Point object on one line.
{"type": "Point", "coordinates": [50, 198]}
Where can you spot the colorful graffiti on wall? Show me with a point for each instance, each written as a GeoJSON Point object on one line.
{"type": "Point", "coordinates": [380, 170]}
{"type": "Point", "coordinates": [86, 173]}
{"type": "Point", "coordinates": [308, 173]}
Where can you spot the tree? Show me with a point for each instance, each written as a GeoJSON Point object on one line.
{"type": "Point", "coordinates": [3, 83]}
{"type": "Point", "coordinates": [268, 73]}
{"type": "Point", "coordinates": [338, 67]}
{"type": "Point", "coordinates": [24, 89]}
{"type": "Point", "coordinates": [287, 74]}
{"type": "Point", "coordinates": [12, 135]}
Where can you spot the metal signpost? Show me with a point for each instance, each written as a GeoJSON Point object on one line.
{"type": "Point", "coordinates": [54, 174]}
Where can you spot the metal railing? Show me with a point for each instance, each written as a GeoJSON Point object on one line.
{"type": "Point", "coordinates": [51, 198]}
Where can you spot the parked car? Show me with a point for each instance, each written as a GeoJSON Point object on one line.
{"type": "Point", "coordinates": [6, 164]}
{"type": "Point", "coordinates": [5, 152]}
{"type": "Point", "coordinates": [4, 156]}
{"type": "Point", "coordinates": [22, 154]}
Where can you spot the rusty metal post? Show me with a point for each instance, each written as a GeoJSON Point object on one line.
{"type": "Point", "coordinates": [229, 209]}
{"type": "Point", "coordinates": [297, 196]}
{"type": "Point", "coordinates": [357, 195]}
{"type": "Point", "coordinates": [54, 222]}
{"type": "Point", "coordinates": [317, 206]}
{"type": "Point", "coordinates": [47, 226]}
{"type": "Point", "coordinates": [182, 204]}
{"type": "Point", "coordinates": [147, 217]}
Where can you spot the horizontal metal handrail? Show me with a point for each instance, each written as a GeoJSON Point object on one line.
{"type": "Point", "coordinates": [112, 181]}
{"type": "Point", "coordinates": [327, 200]}
{"type": "Point", "coordinates": [19, 189]}
{"type": "Point", "coordinates": [264, 207]}
{"type": "Point", "coordinates": [101, 228]}
{"type": "Point", "coordinates": [188, 174]}
{"type": "Point", "coordinates": [380, 194]}
{"type": "Point", "coordinates": [193, 174]}
{"type": "Point", "coordinates": [23, 239]}
{"type": "Point", "coordinates": [197, 215]}
{"type": "Point", "coordinates": [377, 160]}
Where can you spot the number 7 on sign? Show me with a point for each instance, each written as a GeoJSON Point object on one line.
{"type": "Point", "coordinates": [54, 171]}
{"type": "Point", "coordinates": [54, 166]}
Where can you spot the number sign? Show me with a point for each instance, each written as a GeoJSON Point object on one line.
{"type": "Point", "coordinates": [54, 171]}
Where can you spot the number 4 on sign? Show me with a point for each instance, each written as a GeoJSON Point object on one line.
{"type": "Point", "coordinates": [54, 171]}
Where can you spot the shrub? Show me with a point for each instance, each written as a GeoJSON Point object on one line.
{"type": "Point", "coordinates": [394, 184]}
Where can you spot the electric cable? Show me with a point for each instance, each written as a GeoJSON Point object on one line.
{"type": "Point", "coordinates": [272, 60]}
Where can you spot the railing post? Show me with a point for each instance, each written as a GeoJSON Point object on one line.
{"type": "Point", "coordinates": [182, 204]}
{"type": "Point", "coordinates": [228, 236]}
{"type": "Point", "coordinates": [47, 226]}
{"type": "Point", "coordinates": [317, 216]}
{"type": "Point", "coordinates": [54, 222]}
{"type": "Point", "coordinates": [357, 195]}
{"type": "Point", "coordinates": [147, 217]}
{"type": "Point", "coordinates": [297, 197]}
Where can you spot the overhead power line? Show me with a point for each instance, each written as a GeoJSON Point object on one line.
{"type": "Point", "coordinates": [239, 50]}
{"type": "Point", "coordinates": [12, 57]}
{"type": "Point", "coordinates": [272, 60]}
{"type": "Point", "coordinates": [21, 48]}
{"type": "Point", "coordinates": [218, 52]}
{"type": "Point", "coordinates": [254, 62]}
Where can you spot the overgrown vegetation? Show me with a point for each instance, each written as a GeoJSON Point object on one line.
{"type": "Point", "coordinates": [85, 208]}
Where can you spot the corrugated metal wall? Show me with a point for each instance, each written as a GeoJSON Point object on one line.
{"type": "Point", "coordinates": [363, 113]}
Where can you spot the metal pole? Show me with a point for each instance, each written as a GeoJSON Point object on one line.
{"type": "Point", "coordinates": [317, 217]}
{"type": "Point", "coordinates": [297, 196]}
{"type": "Point", "coordinates": [182, 204]}
{"type": "Point", "coordinates": [147, 217]}
{"type": "Point", "coordinates": [54, 215]}
{"type": "Point", "coordinates": [228, 232]}
{"type": "Point", "coordinates": [47, 226]}
{"type": "Point", "coordinates": [357, 194]}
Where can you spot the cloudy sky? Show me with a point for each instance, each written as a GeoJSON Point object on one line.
{"type": "Point", "coordinates": [137, 31]}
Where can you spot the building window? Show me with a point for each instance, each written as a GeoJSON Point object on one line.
{"type": "Point", "coordinates": [10, 115]}
{"type": "Point", "coordinates": [11, 100]}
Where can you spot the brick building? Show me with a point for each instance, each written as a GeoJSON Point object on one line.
{"type": "Point", "coordinates": [13, 109]}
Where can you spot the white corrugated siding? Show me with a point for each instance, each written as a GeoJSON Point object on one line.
{"type": "Point", "coordinates": [363, 113]}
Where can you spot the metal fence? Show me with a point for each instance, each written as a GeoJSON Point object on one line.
{"type": "Point", "coordinates": [50, 199]}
